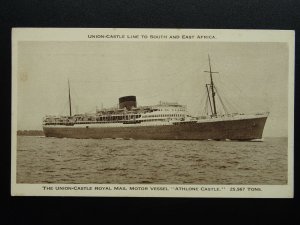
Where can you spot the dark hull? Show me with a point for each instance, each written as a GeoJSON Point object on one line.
{"type": "Point", "coordinates": [243, 129]}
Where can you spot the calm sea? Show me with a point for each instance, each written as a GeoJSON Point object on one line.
{"type": "Point", "coordinates": [83, 161]}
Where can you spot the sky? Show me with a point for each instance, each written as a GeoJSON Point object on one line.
{"type": "Point", "coordinates": [253, 77]}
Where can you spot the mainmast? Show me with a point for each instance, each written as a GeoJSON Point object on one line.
{"type": "Point", "coordinates": [70, 105]}
{"type": "Point", "coordinates": [213, 93]}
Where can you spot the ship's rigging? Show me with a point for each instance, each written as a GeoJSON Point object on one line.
{"type": "Point", "coordinates": [70, 104]}
{"type": "Point", "coordinates": [211, 93]}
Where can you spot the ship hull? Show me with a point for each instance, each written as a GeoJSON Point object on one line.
{"type": "Point", "coordinates": [238, 129]}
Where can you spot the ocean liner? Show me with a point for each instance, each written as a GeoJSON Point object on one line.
{"type": "Point", "coordinates": [164, 121]}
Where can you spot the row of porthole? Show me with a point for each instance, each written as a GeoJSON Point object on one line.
{"type": "Point", "coordinates": [164, 115]}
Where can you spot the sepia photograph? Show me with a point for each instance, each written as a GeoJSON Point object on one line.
{"type": "Point", "coordinates": [152, 112]}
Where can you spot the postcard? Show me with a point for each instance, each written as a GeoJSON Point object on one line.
{"type": "Point", "coordinates": [152, 112]}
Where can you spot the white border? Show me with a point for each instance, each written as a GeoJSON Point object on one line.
{"type": "Point", "coordinates": [81, 34]}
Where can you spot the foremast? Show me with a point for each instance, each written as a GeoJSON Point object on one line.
{"type": "Point", "coordinates": [213, 93]}
{"type": "Point", "coordinates": [70, 104]}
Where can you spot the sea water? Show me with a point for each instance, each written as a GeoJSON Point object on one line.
{"type": "Point", "coordinates": [118, 161]}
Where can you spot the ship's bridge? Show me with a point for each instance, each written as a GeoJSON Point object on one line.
{"type": "Point", "coordinates": [169, 107]}
{"type": "Point", "coordinates": [165, 111]}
